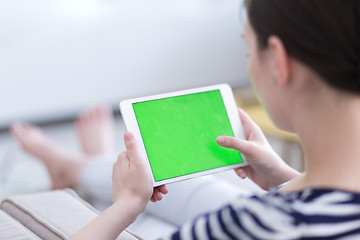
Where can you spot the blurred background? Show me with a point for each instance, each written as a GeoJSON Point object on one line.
{"type": "Point", "coordinates": [59, 56]}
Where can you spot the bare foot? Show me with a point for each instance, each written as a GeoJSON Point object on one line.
{"type": "Point", "coordinates": [95, 130]}
{"type": "Point", "coordinates": [64, 169]}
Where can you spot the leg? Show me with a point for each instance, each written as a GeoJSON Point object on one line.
{"type": "Point", "coordinates": [95, 133]}
{"type": "Point", "coordinates": [188, 199]}
{"type": "Point", "coordinates": [63, 167]}
{"type": "Point", "coordinates": [95, 129]}
{"type": "Point", "coordinates": [96, 181]}
{"type": "Point", "coordinates": [92, 171]}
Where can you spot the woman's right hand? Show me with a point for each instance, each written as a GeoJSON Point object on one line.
{"type": "Point", "coordinates": [265, 167]}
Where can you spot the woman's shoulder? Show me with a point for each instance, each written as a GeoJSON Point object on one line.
{"type": "Point", "coordinates": [310, 196]}
{"type": "Point", "coordinates": [318, 195]}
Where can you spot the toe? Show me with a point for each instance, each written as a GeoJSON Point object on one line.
{"type": "Point", "coordinates": [93, 113]}
{"type": "Point", "coordinates": [16, 130]}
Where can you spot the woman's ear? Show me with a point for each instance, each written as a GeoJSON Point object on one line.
{"type": "Point", "coordinates": [280, 61]}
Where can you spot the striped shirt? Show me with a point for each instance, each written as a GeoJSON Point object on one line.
{"type": "Point", "coordinates": [309, 214]}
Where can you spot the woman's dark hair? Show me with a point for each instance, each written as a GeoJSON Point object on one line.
{"type": "Point", "coordinates": [322, 34]}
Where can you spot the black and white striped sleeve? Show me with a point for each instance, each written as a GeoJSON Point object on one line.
{"type": "Point", "coordinates": [310, 214]}
{"type": "Point", "coordinates": [245, 218]}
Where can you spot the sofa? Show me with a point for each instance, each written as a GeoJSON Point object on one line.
{"type": "Point", "coordinates": [53, 215]}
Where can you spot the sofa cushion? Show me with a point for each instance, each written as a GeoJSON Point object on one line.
{"type": "Point", "coordinates": [12, 229]}
{"type": "Point", "coordinates": [53, 214]}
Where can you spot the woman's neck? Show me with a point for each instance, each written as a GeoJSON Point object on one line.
{"type": "Point", "coordinates": [330, 138]}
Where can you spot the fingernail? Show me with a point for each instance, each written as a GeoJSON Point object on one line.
{"type": "Point", "coordinates": [128, 136]}
{"type": "Point", "coordinates": [220, 139]}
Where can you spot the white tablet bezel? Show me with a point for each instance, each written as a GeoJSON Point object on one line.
{"type": "Point", "coordinates": [128, 115]}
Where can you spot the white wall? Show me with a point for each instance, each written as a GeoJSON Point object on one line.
{"type": "Point", "coordinates": [59, 56]}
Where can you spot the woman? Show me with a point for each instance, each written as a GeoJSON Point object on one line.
{"type": "Point", "coordinates": [305, 67]}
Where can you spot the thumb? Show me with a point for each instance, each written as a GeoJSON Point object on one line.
{"type": "Point", "coordinates": [245, 147]}
{"type": "Point", "coordinates": [131, 146]}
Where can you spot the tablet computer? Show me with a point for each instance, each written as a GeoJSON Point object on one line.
{"type": "Point", "coordinates": [176, 132]}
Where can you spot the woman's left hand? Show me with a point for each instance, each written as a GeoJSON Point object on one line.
{"type": "Point", "coordinates": [132, 186]}
{"type": "Point", "coordinates": [131, 179]}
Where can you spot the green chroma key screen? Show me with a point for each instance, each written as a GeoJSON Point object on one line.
{"type": "Point", "coordinates": [179, 134]}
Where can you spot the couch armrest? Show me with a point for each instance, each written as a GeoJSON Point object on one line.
{"type": "Point", "coordinates": [10, 229]}
{"type": "Point", "coordinates": [54, 214]}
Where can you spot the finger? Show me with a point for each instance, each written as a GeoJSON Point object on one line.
{"type": "Point", "coordinates": [248, 124]}
{"type": "Point", "coordinates": [241, 172]}
{"type": "Point", "coordinates": [243, 146]}
{"type": "Point", "coordinates": [153, 199]}
{"type": "Point", "coordinates": [245, 118]}
{"type": "Point", "coordinates": [15, 129]}
{"type": "Point", "coordinates": [18, 130]}
{"type": "Point", "coordinates": [131, 146]}
{"type": "Point", "coordinates": [163, 189]}
{"type": "Point", "coordinates": [157, 195]}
